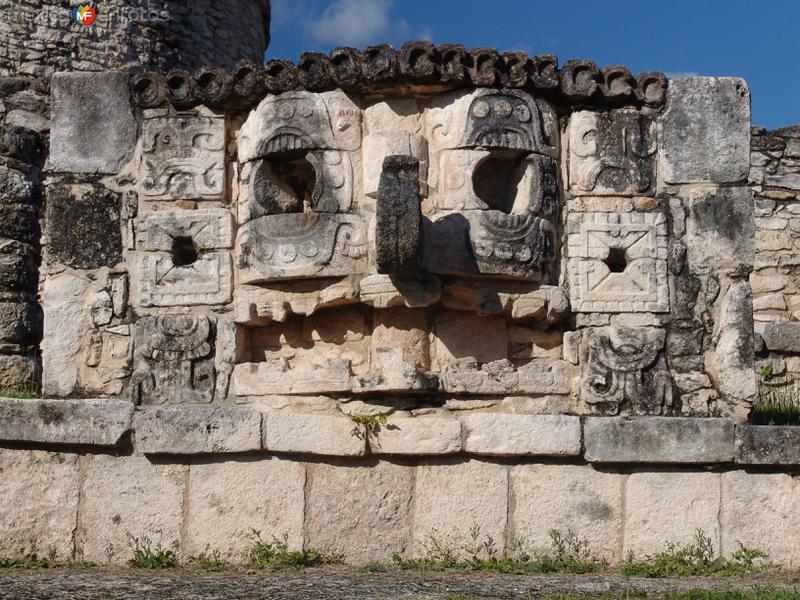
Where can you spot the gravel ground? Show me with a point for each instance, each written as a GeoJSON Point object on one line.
{"type": "Point", "coordinates": [337, 584]}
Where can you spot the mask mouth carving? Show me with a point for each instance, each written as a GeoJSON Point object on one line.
{"type": "Point", "coordinates": [500, 137]}
{"type": "Point", "coordinates": [287, 139]}
{"type": "Point", "coordinates": [497, 178]}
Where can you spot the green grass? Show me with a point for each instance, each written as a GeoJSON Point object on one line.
{"type": "Point", "coordinates": [697, 558]}
{"type": "Point", "coordinates": [21, 394]}
{"type": "Point", "coordinates": [208, 561]}
{"type": "Point", "coordinates": [31, 559]}
{"type": "Point", "coordinates": [147, 556]}
{"type": "Point", "coordinates": [275, 554]}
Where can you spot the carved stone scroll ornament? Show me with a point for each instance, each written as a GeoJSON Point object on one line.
{"type": "Point", "coordinates": [626, 372]}
{"type": "Point", "coordinates": [172, 360]}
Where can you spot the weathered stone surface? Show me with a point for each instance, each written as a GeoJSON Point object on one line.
{"type": "Point", "coordinates": [611, 153]}
{"type": "Point", "coordinates": [538, 376]}
{"type": "Point", "coordinates": [453, 497]}
{"type": "Point", "coordinates": [286, 431]}
{"type": "Point", "coordinates": [782, 337]}
{"type": "Point", "coordinates": [18, 372]}
{"type": "Point", "coordinates": [403, 328]}
{"type": "Point", "coordinates": [252, 303]}
{"type": "Point", "coordinates": [40, 498]}
{"type": "Point", "coordinates": [80, 99]}
{"type": "Point", "coordinates": [617, 262]}
{"type": "Point", "coordinates": [379, 499]}
{"type": "Point", "coordinates": [566, 497]}
{"type": "Point", "coordinates": [657, 440]}
{"type": "Point", "coordinates": [83, 226]}
{"type": "Point", "coordinates": [758, 510]}
{"type": "Point", "coordinates": [720, 228]}
{"type": "Point", "coordinates": [183, 157]}
{"type": "Point", "coordinates": [625, 369]}
{"type": "Point", "coordinates": [767, 445]}
{"type": "Point", "coordinates": [16, 188]}
{"type": "Point", "coordinates": [390, 373]}
{"type": "Point", "coordinates": [197, 430]}
{"type": "Point", "coordinates": [200, 229]}
{"type": "Point", "coordinates": [384, 291]}
{"type": "Point", "coordinates": [166, 279]}
{"type": "Point", "coordinates": [129, 495]}
{"type": "Point", "coordinates": [97, 421]}
{"type": "Point", "coordinates": [291, 246]}
{"type": "Point", "coordinates": [456, 333]}
{"type": "Point", "coordinates": [20, 222]}
{"type": "Point", "coordinates": [277, 377]}
{"type": "Point", "coordinates": [64, 324]}
{"type": "Point", "coordinates": [505, 434]}
{"type": "Point", "coordinates": [398, 221]}
{"type": "Point", "coordinates": [20, 323]}
{"type": "Point", "coordinates": [670, 507]}
{"type": "Point", "coordinates": [417, 435]}
{"type": "Point", "coordinates": [230, 499]}
{"type": "Point", "coordinates": [705, 130]}
{"type": "Point", "coordinates": [522, 301]}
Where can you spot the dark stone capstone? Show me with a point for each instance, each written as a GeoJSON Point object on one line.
{"type": "Point", "coordinates": [83, 226]}
{"type": "Point", "coordinates": [398, 217]}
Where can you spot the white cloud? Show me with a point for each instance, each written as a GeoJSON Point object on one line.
{"type": "Point", "coordinates": [679, 74]}
{"type": "Point", "coordinates": [352, 22]}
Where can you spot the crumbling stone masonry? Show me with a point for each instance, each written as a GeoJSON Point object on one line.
{"type": "Point", "coordinates": [541, 274]}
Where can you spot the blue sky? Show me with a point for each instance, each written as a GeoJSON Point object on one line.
{"type": "Point", "coordinates": [755, 40]}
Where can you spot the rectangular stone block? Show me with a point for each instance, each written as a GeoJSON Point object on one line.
{"type": "Point", "coordinates": [782, 337]}
{"type": "Point", "coordinates": [229, 499]}
{"type": "Point", "coordinates": [82, 103]}
{"type": "Point", "coordinates": [567, 498]}
{"type": "Point", "coordinates": [767, 445]}
{"type": "Point", "coordinates": [506, 434]}
{"type": "Point", "coordinates": [205, 229]}
{"type": "Point", "coordinates": [286, 431]}
{"type": "Point", "coordinates": [197, 430]}
{"type": "Point", "coordinates": [164, 281]}
{"type": "Point", "coordinates": [658, 440]}
{"type": "Point", "coordinates": [670, 507]}
{"type": "Point", "coordinates": [455, 497]}
{"type": "Point", "coordinates": [705, 130]}
{"type": "Point", "coordinates": [374, 522]}
{"type": "Point", "coordinates": [760, 511]}
{"type": "Point", "coordinates": [417, 435]}
{"type": "Point", "coordinates": [126, 496]}
{"type": "Point", "coordinates": [96, 421]}
{"type": "Point", "coordinates": [277, 377]}
{"type": "Point", "coordinates": [39, 501]}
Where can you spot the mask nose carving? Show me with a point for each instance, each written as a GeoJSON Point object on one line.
{"type": "Point", "coordinates": [398, 216]}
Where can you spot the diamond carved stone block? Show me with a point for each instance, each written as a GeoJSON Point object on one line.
{"type": "Point", "coordinates": [207, 229]}
{"type": "Point", "coordinates": [611, 153]}
{"type": "Point", "coordinates": [618, 262]}
{"type": "Point", "coordinates": [164, 281]}
{"type": "Point", "coordinates": [183, 158]}
{"type": "Point", "coordinates": [298, 245]}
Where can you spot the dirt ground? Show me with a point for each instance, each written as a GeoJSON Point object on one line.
{"type": "Point", "coordinates": [341, 584]}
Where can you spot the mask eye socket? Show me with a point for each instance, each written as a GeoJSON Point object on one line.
{"type": "Point", "coordinates": [502, 108]}
{"type": "Point", "coordinates": [522, 113]}
{"type": "Point", "coordinates": [480, 109]}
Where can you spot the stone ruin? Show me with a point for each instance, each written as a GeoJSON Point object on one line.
{"type": "Point", "coordinates": [540, 273]}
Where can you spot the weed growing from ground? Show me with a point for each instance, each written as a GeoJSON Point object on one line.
{"type": "Point", "coordinates": [275, 554]}
{"type": "Point", "coordinates": [697, 558]}
{"type": "Point", "coordinates": [30, 558]}
{"type": "Point", "coordinates": [146, 556]}
{"type": "Point", "coordinates": [208, 561]}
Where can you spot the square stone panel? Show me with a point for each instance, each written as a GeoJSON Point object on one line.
{"type": "Point", "coordinates": [618, 262]}
{"type": "Point", "coordinates": [165, 282]}
{"type": "Point", "coordinates": [207, 229]}
{"type": "Point", "coordinates": [183, 157]}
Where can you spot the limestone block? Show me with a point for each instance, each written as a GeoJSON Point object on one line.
{"type": "Point", "coordinates": [782, 337]}
{"type": "Point", "coordinates": [406, 329]}
{"type": "Point", "coordinates": [398, 220]}
{"type": "Point", "coordinates": [720, 228]}
{"type": "Point", "coordinates": [767, 283]}
{"type": "Point", "coordinates": [453, 497]}
{"type": "Point", "coordinates": [300, 120]}
{"type": "Point", "coordinates": [658, 440]}
{"type": "Point", "coordinates": [538, 376]}
{"type": "Point", "coordinates": [705, 130]}
{"type": "Point", "coordinates": [83, 226]}
{"type": "Point", "coordinates": [64, 325]}
{"type": "Point", "coordinates": [129, 495]}
{"type": "Point", "coordinates": [164, 279]}
{"type": "Point", "coordinates": [670, 507]}
{"type": "Point", "coordinates": [773, 241]}
{"type": "Point", "coordinates": [286, 431]}
{"type": "Point", "coordinates": [417, 435]}
{"type": "Point", "coordinates": [18, 372]}
{"type": "Point", "coordinates": [80, 99]}
{"type": "Point", "coordinates": [769, 302]}
{"type": "Point", "coordinates": [567, 498]}
{"type": "Point", "coordinates": [392, 374]}
{"type": "Point", "coordinates": [457, 332]}
{"type": "Point", "coordinates": [300, 245]}
{"type": "Point", "coordinates": [200, 229]}
{"type": "Point", "coordinates": [277, 377]}
{"type": "Point", "coordinates": [20, 322]}
{"type": "Point", "coordinates": [525, 343]}
{"type": "Point", "coordinates": [505, 434]}
{"type": "Point", "coordinates": [18, 272]}
{"type": "Point", "coordinates": [197, 430]}
{"type": "Point", "coordinates": [97, 421]}
{"type": "Point", "coordinates": [625, 369]}
{"type": "Point", "coordinates": [16, 187]}
{"type": "Point", "coordinates": [617, 262]}
{"type": "Point", "coordinates": [519, 300]}
{"type": "Point", "coordinates": [253, 303]}
{"type": "Point", "coordinates": [611, 152]}
{"type": "Point", "coordinates": [759, 510]}
{"type": "Point", "coordinates": [767, 445]}
{"type": "Point", "coordinates": [380, 144]}
{"type": "Point", "coordinates": [229, 499]}
{"type": "Point", "coordinates": [385, 291]}
{"type": "Point", "coordinates": [183, 157]}
{"type": "Point", "coordinates": [39, 497]}
{"type": "Point", "coordinates": [373, 524]}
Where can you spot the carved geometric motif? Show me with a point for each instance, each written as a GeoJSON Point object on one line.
{"type": "Point", "coordinates": [183, 158]}
{"type": "Point", "coordinates": [618, 262]}
{"type": "Point", "coordinates": [207, 229]}
{"type": "Point", "coordinates": [162, 282]}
